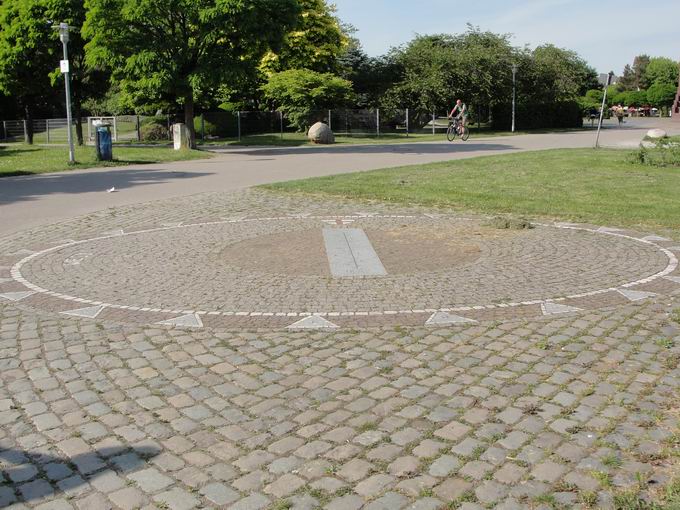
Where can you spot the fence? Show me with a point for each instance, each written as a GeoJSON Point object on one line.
{"type": "Point", "coordinates": [253, 126]}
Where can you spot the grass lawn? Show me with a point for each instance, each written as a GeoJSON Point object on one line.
{"type": "Point", "coordinates": [583, 185]}
{"type": "Point", "coordinates": [22, 159]}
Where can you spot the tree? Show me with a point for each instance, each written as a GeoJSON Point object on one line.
{"type": "Point", "coordinates": [87, 82]}
{"type": "Point", "coordinates": [634, 77]}
{"type": "Point", "coordinates": [661, 95]}
{"type": "Point", "coordinates": [662, 70]}
{"type": "Point", "coordinates": [174, 51]}
{"type": "Point", "coordinates": [437, 69]}
{"type": "Point", "coordinates": [559, 75]}
{"type": "Point", "coordinates": [25, 57]}
{"type": "Point", "coordinates": [315, 43]}
{"type": "Point", "coordinates": [305, 96]}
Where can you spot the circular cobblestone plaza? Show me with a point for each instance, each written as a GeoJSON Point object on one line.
{"type": "Point", "coordinates": [252, 350]}
{"type": "Point", "coordinates": [265, 264]}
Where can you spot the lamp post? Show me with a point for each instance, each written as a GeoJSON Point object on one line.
{"type": "Point", "coordinates": [64, 65]}
{"type": "Point", "coordinates": [514, 94]}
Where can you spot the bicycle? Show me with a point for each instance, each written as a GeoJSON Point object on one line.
{"type": "Point", "coordinates": [457, 129]}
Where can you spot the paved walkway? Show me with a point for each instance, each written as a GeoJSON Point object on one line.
{"type": "Point", "coordinates": [35, 200]}
{"type": "Point", "coordinates": [163, 356]}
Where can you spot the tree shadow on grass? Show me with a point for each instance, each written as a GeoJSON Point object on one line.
{"type": "Point", "coordinates": [35, 475]}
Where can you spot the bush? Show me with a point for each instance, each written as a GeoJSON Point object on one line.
{"type": "Point", "coordinates": [154, 131]}
{"type": "Point", "coordinates": [217, 125]}
{"type": "Point", "coordinates": [664, 154]}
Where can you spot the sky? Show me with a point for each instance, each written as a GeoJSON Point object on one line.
{"type": "Point", "coordinates": [606, 33]}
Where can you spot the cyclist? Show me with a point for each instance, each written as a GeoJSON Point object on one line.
{"type": "Point", "coordinates": [461, 112]}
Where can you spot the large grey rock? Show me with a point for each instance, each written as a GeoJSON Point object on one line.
{"type": "Point", "coordinates": [321, 133]}
{"type": "Point", "coordinates": [656, 133]}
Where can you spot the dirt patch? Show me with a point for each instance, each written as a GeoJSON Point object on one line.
{"type": "Point", "coordinates": [404, 249]}
{"type": "Point", "coordinates": [295, 253]}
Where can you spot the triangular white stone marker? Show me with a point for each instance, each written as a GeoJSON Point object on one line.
{"type": "Point", "coordinates": [551, 308]}
{"type": "Point", "coordinates": [655, 238]}
{"type": "Point", "coordinates": [90, 312]}
{"type": "Point", "coordinates": [675, 279]}
{"type": "Point", "coordinates": [636, 295]}
{"type": "Point", "coordinates": [191, 320]}
{"type": "Point", "coordinates": [313, 322]}
{"type": "Point", "coordinates": [17, 296]}
{"type": "Point", "coordinates": [446, 319]}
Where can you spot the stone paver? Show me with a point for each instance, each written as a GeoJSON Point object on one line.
{"type": "Point", "coordinates": [110, 413]}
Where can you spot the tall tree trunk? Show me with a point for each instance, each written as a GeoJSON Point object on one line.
{"type": "Point", "coordinates": [189, 118]}
{"type": "Point", "coordinates": [28, 115]}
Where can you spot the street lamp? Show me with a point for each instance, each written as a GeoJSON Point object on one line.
{"type": "Point", "coordinates": [514, 95]}
{"type": "Point", "coordinates": [64, 65]}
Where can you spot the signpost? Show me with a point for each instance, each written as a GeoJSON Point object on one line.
{"type": "Point", "coordinates": [604, 103]}
{"type": "Point", "coordinates": [514, 78]}
{"type": "Point", "coordinates": [64, 66]}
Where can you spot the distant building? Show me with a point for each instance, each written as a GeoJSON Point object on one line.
{"type": "Point", "coordinates": [602, 79]}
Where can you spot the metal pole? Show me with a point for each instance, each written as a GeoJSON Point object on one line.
{"type": "Point", "coordinates": [63, 33]}
{"type": "Point", "coordinates": [139, 130]}
{"type": "Point", "coordinates": [48, 130]}
{"type": "Point", "coordinates": [604, 102]}
{"type": "Point", "coordinates": [377, 121]}
{"type": "Point", "coordinates": [514, 76]}
{"type": "Point", "coordinates": [281, 121]}
{"type": "Point", "coordinates": [406, 122]}
{"type": "Point", "coordinates": [238, 123]}
{"type": "Point", "coordinates": [330, 121]}
{"type": "Point", "coordinates": [433, 122]}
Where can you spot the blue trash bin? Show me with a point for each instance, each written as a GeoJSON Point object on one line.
{"type": "Point", "coordinates": [103, 143]}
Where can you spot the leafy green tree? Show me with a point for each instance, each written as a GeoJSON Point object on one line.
{"type": "Point", "coordinates": [634, 77]}
{"type": "Point", "coordinates": [87, 82]}
{"type": "Point", "coordinates": [438, 69]}
{"type": "Point", "coordinates": [176, 51]}
{"type": "Point", "coordinates": [559, 75]}
{"type": "Point", "coordinates": [661, 95]}
{"type": "Point", "coordinates": [662, 70]}
{"type": "Point", "coordinates": [305, 96]}
{"type": "Point", "coordinates": [26, 58]}
{"type": "Point", "coordinates": [315, 43]}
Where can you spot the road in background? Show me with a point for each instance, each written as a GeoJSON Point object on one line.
{"type": "Point", "coordinates": [35, 200]}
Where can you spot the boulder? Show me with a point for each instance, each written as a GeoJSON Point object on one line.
{"type": "Point", "coordinates": [321, 133]}
{"type": "Point", "coordinates": [656, 133]}
{"type": "Point", "coordinates": [181, 137]}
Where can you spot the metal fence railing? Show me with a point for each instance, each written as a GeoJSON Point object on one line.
{"type": "Point", "coordinates": [237, 125]}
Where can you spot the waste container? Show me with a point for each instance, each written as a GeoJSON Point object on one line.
{"type": "Point", "coordinates": [103, 143]}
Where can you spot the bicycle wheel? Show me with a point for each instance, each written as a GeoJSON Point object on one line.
{"type": "Point", "coordinates": [465, 134]}
{"type": "Point", "coordinates": [451, 133]}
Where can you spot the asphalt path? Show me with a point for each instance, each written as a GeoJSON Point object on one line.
{"type": "Point", "coordinates": [30, 201]}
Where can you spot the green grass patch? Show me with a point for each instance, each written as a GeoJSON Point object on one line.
{"type": "Point", "coordinates": [32, 159]}
{"type": "Point", "coordinates": [583, 185]}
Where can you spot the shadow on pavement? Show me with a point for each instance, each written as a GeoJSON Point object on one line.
{"type": "Point", "coordinates": [36, 475]}
{"type": "Point", "coordinates": [16, 189]}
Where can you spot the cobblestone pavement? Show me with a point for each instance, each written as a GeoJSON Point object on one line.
{"type": "Point", "coordinates": [564, 410]}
